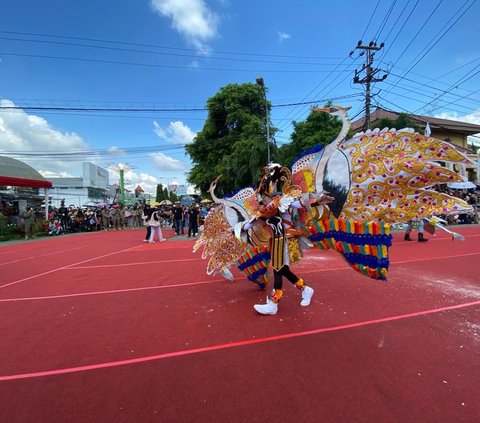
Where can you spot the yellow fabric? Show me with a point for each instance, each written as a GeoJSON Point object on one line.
{"type": "Point", "coordinates": [277, 252]}
{"type": "Point", "coordinates": [294, 250]}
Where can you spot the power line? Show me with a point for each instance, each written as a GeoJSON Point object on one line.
{"type": "Point", "coordinates": [385, 20]}
{"type": "Point", "coordinates": [157, 65]}
{"type": "Point", "coordinates": [370, 20]}
{"type": "Point", "coordinates": [422, 84]}
{"type": "Point", "coordinates": [204, 51]}
{"type": "Point", "coordinates": [312, 91]}
{"type": "Point", "coordinates": [417, 33]}
{"type": "Point", "coordinates": [443, 35]}
{"type": "Point", "coordinates": [196, 56]}
{"type": "Point", "coordinates": [401, 28]}
{"type": "Point", "coordinates": [439, 38]}
{"type": "Point", "coordinates": [148, 109]}
{"type": "Point", "coordinates": [455, 85]}
{"type": "Point", "coordinates": [422, 102]}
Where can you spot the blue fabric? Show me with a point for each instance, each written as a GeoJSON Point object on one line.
{"type": "Point", "coordinates": [254, 260]}
{"type": "Point", "coordinates": [358, 239]}
{"type": "Point", "coordinates": [314, 149]}
{"type": "Point", "coordinates": [367, 260]}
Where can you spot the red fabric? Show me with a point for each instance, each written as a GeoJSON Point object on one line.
{"type": "Point", "coordinates": [21, 182]}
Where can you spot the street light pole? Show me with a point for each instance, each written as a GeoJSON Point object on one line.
{"type": "Point", "coordinates": [261, 84]}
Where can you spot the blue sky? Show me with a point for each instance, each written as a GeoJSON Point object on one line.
{"type": "Point", "coordinates": [175, 54]}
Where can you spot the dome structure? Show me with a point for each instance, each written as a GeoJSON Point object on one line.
{"type": "Point", "coordinates": [18, 174]}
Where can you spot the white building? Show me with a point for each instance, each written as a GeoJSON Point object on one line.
{"type": "Point", "coordinates": [90, 188]}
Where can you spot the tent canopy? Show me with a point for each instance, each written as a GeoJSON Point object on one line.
{"type": "Point", "coordinates": [18, 174]}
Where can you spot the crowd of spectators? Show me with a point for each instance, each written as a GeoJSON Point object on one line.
{"type": "Point", "coordinates": [471, 196]}
{"type": "Point", "coordinates": [71, 219]}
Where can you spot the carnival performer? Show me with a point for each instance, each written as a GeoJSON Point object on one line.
{"type": "Point", "coordinates": [369, 181]}
{"type": "Point", "coordinates": [274, 210]}
{"type": "Point", "coordinates": [420, 225]}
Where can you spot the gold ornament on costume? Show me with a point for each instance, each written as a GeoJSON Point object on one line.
{"type": "Point", "coordinates": [219, 242]}
{"type": "Point", "coordinates": [390, 171]}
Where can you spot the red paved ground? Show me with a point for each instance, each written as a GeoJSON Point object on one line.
{"type": "Point", "coordinates": [104, 328]}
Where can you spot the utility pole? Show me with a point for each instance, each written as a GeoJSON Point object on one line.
{"type": "Point", "coordinates": [261, 84]}
{"type": "Point", "coordinates": [370, 72]}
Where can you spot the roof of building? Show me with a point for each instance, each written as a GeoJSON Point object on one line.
{"type": "Point", "coordinates": [456, 126]}
{"type": "Point", "coordinates": [139, 189]}
{"type": "Point", "coordinates": [18, 174]}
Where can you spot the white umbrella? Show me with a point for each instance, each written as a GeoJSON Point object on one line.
{"type": "Point", "coordinates": [165, 202]}
{"type": "Point", "coordinates": [461, 185]}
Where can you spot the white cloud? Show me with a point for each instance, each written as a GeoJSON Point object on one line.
{"type": "Point", "coordinates": [283, 36]}
{"type": "Point", "coordinates": [26, 133]}
{"type": "Point", "coordinates": [49, 174]}
{"type": "Point", "coordinates": [191, 18]}
{"type": "Point", "coordinates": [133, 179]}
{"type": "Point", "coordinates": [166, 163]}
{"type": "Point", "coordinates": [116, 152]}
{"type": "Point", "coordinates": [176, 132]}
{"type": "Point", "coordinates": [473, 117]}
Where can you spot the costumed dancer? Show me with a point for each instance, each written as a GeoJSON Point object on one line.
{"type": "Point", "coordinates": [376, 178]}
{"type": "Point", "coordinates": [274, 206]}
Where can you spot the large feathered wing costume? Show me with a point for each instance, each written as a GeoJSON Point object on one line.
{"type": "Point", "coordinates": [376, 177]}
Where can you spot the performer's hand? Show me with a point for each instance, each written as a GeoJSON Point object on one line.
{"type": "Point", "coordinates": [323, 199]}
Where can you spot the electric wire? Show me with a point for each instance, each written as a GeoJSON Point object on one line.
{"type": "Point", "coordinates": [422, 27]}
{"type": "Point", "coordinates": [455, 85]}
{"type": "Point", "coordinates": [385, 20]}
{"type": "Point", "coordinates": [197, 57]}
{"type": "Point", "coordinates": [158, 65]}
{"type": "Point", "coordinates": [370, 20]}
{"type": "Point", "coordinates": [151, 109]}
{"type": "Point", "coordinates": [423, 53]}
{"type": "Point", "coordinates": [395, 24]}
{"type": "Point", "coordinates": [205, 51]}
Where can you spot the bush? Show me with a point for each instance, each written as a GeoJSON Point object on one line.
{"type": "Point", "coordinates": [8, 230]}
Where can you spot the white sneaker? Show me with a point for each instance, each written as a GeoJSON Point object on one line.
{"type": "Point", "coordinates": [307, 295]}
{"type": "Point", "coordinates": [151, 242]}
{"type": "Point", "coordinates": [269, 308]}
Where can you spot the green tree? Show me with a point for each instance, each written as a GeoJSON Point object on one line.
{"type": "Point", "coordinates": [160, 194]}
{"type": "Point", "coordinates": [318, 128]}
{"type": "Point", "coordinates": [232, 141]}
{"type": "Point", "coordinates": [173, 197]}
{"type": "Point", "coordinates": [403, 121]}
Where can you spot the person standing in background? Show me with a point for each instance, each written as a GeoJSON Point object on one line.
{"type": "Point", "coordinates": [177, 219]}
{"type": "Point", "coordinates": [193, 217]}
{"type": "Point", "coordinates": [105, 218]}
{"type": "Point", "coordinates": [154, 224]}
{"type": "Point", "coordinates": [420, 224]}
{"type": "Point", "coordinates": [147, 214]}
{"type": "Point", "coordinates": [115, 214]}
{"type": "Point", "coordinates": [29, 219]}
